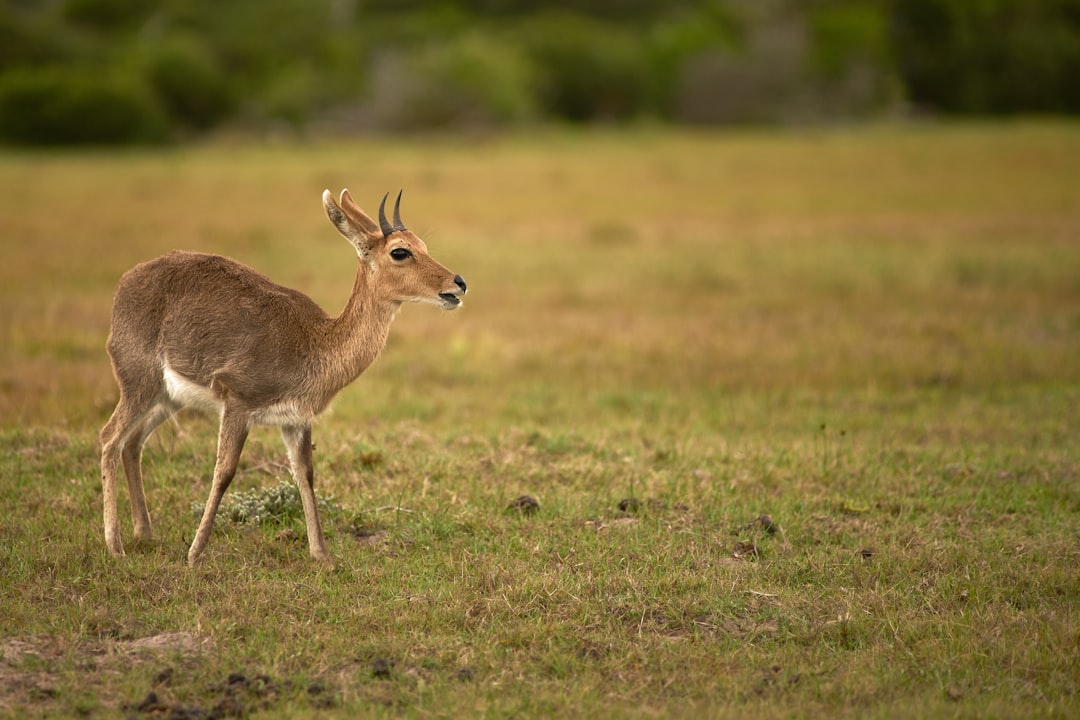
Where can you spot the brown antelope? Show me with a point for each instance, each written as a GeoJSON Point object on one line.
{"type": "Point", "coordinates": [204, 331]}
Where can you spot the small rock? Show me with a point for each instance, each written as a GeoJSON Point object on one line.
{"type": "Point", "coordinates": [744, 549]}
{"type": "Point", "coordinates": [262, 685]}
{"type": "Point", "coordinates": [288, 535]}
{"type": "Point", "coordinates": [324, 702]}
{"type": "Point", "coordinates": [525, 505]}
{"type": "Point", "coordinates": [178, 712]}
{"type": "Point", "coordinates": [380, 669]}
{"type": "Point", "coordinates": [765, 522]}
{"type": "Point", "coordinates": [226, 707]}
{"type": "Point", "coordinates": [149, 704]}
{"type": "Point", "coordinates": [363, 531]}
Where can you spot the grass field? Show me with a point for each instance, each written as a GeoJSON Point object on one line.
{"type": "Point", "coordinates": [870, 335]}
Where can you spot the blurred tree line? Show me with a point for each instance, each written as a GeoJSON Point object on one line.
{"type": "Point", "coordinates": [113, 71]}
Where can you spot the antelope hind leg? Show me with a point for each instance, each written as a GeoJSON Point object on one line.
{"type": "Point", "coordinates": [132, 458]}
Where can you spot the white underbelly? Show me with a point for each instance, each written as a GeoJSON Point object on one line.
{"type": "Point", "coordinates": [190, 394]}
{"type": "Point", "coordinates": [187, 393]}
{"type": "Point", "coordinates": [281, 414]}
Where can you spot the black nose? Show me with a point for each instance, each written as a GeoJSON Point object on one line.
{"type": "Point", "coordinates": [460, 282]}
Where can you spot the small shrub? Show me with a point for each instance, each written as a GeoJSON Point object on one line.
{"type": "Point", "coordinates": [279, 504]}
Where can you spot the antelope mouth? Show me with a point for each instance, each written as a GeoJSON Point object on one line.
{"type": "Point", "coordinates": [449, 300]}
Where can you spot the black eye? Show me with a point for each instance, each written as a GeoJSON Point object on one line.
{"type": "Point", "coordinates": [400, 254]}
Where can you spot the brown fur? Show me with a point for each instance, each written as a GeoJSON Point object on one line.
{"type": "Point", "coordinates": [190, 329]}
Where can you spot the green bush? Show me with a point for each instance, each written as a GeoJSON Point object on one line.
{"type": "Point", "coordinates": [851, 58]}
{"type": "Point", "coordinates": [675, 43]}
{"type": "Point", "coordinates": [993, 56]}
{"type": "Point", "coordinates": [66, 106]}
{"type": "Point", "coordinates": [588, 69]}
{"type": "Point", "coordinates": [847, 33]}
{"type": "Point", "coordinates": [189, 80]}
{"type": "Point", "coordinates": [466, 81]}
{"type": "Point", "coordinates": [107, 14]}
{"type": "Point", "coordinates": [291, 96]}
{"type": "Point", "coordinates": [27, 39]}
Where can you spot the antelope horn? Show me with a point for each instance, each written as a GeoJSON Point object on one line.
{"type": "Point", "coordinates": [398, 225]}
{"type": "Point", "coordinates": [383, 224]}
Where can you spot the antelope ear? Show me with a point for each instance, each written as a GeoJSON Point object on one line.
{"type": "Point", "coordinates": [352, 228]}
{"type": "Point", "coordinates": [359, 217]}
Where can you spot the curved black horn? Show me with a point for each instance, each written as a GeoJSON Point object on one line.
{"type": "Point", "coordinates": [397, 212]}
{"type": "Point", "coordinates": [383, 224]}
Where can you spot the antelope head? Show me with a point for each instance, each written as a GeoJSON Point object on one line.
{"type": "Point", "coordinates": [395, 256]}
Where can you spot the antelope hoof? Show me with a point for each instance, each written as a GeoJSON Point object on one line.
{"type": "Point", "coordinates": [324, 559]}
{"type": "Point", "coordinates": [142, 542]}
{"type": "Point", "coordinates": [116, 547]}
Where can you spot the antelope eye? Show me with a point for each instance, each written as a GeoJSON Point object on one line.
{"type": "Point", "coordinates": [400, 254]}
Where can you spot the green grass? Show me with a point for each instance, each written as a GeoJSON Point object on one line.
{"type": "Point", "coordinates": [872, 335]}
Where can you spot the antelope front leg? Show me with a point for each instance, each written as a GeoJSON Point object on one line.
{"type": "Point", "coordinates": [298, 443]}
{"type": "Point", "coordinates": [231, 437]}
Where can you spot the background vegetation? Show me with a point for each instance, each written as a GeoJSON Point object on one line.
{"type": "Point", "coordinates": [871, 336]}
{"type": "Point", "coordinates": [114, 71]}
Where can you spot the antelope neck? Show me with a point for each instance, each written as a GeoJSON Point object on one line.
{"type": "Point", "coordinates": [358, 334]}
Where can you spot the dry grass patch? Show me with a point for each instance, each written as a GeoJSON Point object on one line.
{"type": "Point", "coordinates": [870, 337]}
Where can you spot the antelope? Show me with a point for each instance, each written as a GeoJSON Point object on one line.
{"type": "Point", "coordinates": [206, 332]}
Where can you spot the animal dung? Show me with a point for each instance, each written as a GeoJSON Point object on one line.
{"type": "Point", "coordinates": [526, 505]}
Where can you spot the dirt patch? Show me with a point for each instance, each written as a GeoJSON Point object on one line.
{"type": "Point", "coordinates": [31, 671]}
{"type": "Point", "coordinates": [238, 696]}
{"type": "Point", "coordinates": [14, 651]}
{"type": "Point", "coordinates": [184, 644]}
{"type": "Point", "coordinates": [615, 523]}
{"type": "Point", "coordinates": [30, 667]}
